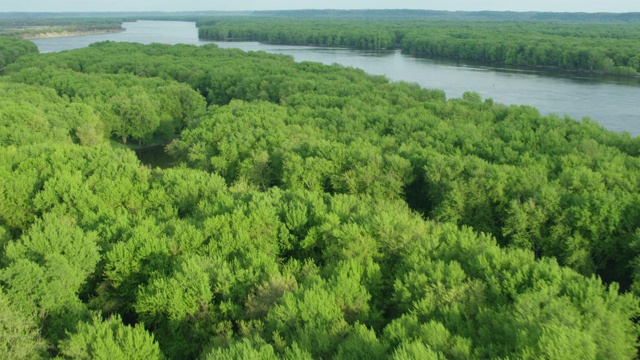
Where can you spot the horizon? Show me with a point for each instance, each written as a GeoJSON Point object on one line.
{"type": "Point", "coordinates": [82, 6]}
{"type": "Point", "coordinates": [309, 9]}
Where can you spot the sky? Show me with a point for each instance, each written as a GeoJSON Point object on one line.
{"type": "Point", "coordinates": [228, 5]}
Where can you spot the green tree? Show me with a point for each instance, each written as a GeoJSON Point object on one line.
{"type": "Point", "coordinates": [171, 305]}
{"type": "Point", "coordinates": [47, 268]}
{"type": "Point", "coordinates": [109, 339]}
{"type": "Point", "coordinates": [19, 337]}
{"type": "Point", "coordinates": [136, 114]}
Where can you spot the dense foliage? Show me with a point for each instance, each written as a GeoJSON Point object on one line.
{"type": "Point", "coordinates": [11, 49]}
{"type": "Point", "coordinates": [610, 48]}
{"type": "Point", "coordinates": [441, 15]}
{"type": "Point", "coordinates": [124, 104]}
{"type": "Point", "coordinates": [317, 212]}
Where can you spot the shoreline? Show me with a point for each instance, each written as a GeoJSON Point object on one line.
{"type": "Point", "coordinates": [66, 33]}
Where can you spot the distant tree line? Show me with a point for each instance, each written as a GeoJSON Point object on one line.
{"type": "Point", "coordinates": [603, 48]}
{"type": "Point", "coordinates": [438, 15]}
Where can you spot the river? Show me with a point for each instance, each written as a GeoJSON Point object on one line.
{"type": "Point", "coordinates": [613, 102]}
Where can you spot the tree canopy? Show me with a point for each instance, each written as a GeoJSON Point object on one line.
{"type": "Point", "coordinates": [314, 212]}
{"type": "Point", "coordinates": [11, 49]}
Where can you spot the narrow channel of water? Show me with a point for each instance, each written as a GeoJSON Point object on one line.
{"type": "Point", "coordinates": [156, 156]}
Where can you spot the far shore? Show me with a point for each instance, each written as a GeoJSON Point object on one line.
{"type": "Point", "coordinates": [58, 34]}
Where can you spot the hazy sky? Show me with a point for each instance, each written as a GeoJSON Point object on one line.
{"type": "Point", "coordinates": [191, 5]}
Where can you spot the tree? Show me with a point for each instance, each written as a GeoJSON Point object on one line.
{"type": "Point", "coordinates": [110, 339]}
{"type": "Point", "coordinates": [46, 269]}
{"type": "Point", "coordinates": [172, 305]}
{"type": "Point", "coordinates": [136, 114]}
{"type": "Point", "coordinates": [19, 337]}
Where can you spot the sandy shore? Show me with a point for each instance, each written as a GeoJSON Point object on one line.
{"type": "Point", "coordinates": [56, 34]}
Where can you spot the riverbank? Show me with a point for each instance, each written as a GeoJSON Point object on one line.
{"type": "Point", "coordinates": [67, 33]}
{"type": "Point", "coordinates": [534, 69]}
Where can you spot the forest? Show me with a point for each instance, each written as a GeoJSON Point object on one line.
{"type": "Point", "coordinates": [442, 15]}
{"type": "Point", "coordinates": [601, 48]}
{"type": "Point", "coordinates": [313, 211]}
{"type": "Point", "coordinates": [11, 49]}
